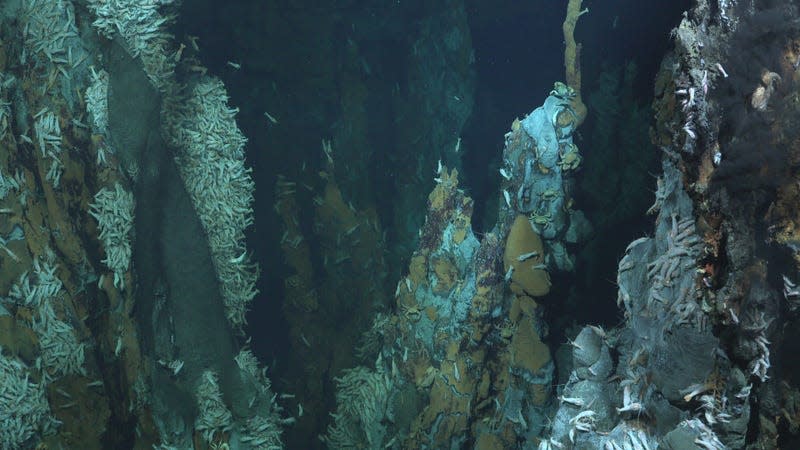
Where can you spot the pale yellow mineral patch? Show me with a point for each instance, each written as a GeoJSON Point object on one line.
{"type": "Point", "coordinates": [527, 278]}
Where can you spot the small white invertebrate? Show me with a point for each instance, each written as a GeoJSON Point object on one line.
{"type": "Point", "coordinates": [236, 66]}
{"type": "Point", "coordinates": [583, 421]}
{"type": "Point", "coordinates": [352, 229]}
{"type": "Point", "coordinates": [694, 390]}
{"type": "Point", "coordinates": [328, 150]}
{"type": "Point", "coordinates": [574, 401]}
{"type": "Point", "coordinates": [790, 290]}
{"type": "Point", "coordinates": [271, 118]}
{"type": "Point", "coordinates": [721, 70]}
{"type": "Point", "coordinates": [583, 416]}
{"type": "Point", "coordinates": [643, 439]}
{"type": "Point", "coordinates": [734, 317]}
{"type": "Point", "coordinates": [689, 131]}
{"type": "Point", "coordinates": [193, 42]}
{"type": "Point", "coordinates": [63, 392]}
{"type": "Point", "coordinates": [744, 392]}
{"type": "Point", "coordinates": [439, 167]}
{"type": "Point", "coordinates": [176, 366]}
{"type": "Point", "coordinates": [238, 259]}
{"type": "Point", "coordinates": [509, 273]}
{"type": "Point", "coordinates": [525, 256]}
{"type": "Point", "coordinates": [507, 196]}
{"type": "Point", "coordinates": [458, 144]}
{"type": "Point", "coordinates": [505, 174]}
{"type": "Point", "coordinates": [631, 407]}
{"type": "Point", "coordinates": [704, 83]}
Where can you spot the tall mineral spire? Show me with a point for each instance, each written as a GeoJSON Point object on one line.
{"type": "Point", "coordinates": [572, 57]}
